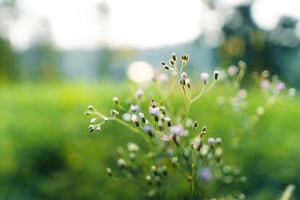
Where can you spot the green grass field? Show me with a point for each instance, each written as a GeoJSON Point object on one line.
{"type": "Point", "coordinates": [46, 151]}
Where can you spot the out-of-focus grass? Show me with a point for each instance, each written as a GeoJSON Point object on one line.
{"type": "Point", "coordinates": [46, 151]}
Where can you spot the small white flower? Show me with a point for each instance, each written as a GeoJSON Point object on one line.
{"type": "Point", "coordinates": [93, 120]}
{"type": "Point", "coordinates": [126, 117]}
{"type": "Point", "coordinates": [139, 93]}
{"type": "Point", "coordinates": [132, 147]}
{"type": "Point", "coordinates": [242, 94]}
{"type": "Point", "coordinates": [204, 77]}
{"type": "Point", "coordinates": [211, 141]}
{"type": "Point", "coordinates": [232, 70]}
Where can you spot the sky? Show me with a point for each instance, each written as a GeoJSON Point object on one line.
{"type": "Point", "coordinates": [88, 24]}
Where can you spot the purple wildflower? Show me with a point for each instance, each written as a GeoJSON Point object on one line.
{"type": "Point", "coordinates": [205, 174]}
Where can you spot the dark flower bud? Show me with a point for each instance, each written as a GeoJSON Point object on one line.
{"type": "Point", "coordinates": [109, 172]}
{"type": "Point", "coordinates": [91, 108]}
{"type": "Point", "coordinates": [195, 125]}
{"type": "Point", "coordinates": [174, 58]}
{"type": "Point", "coordinates": [216, 75]}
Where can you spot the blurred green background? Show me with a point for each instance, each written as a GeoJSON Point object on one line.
{"type": "Point", "coordinates": [46, 151]}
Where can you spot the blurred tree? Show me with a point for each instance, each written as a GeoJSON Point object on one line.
{"type": "Point", "coordinates": [40, 60]}
{"type": "Point", "coordinates": [8, 64]}
{"type": "Point", "coordinates": [260, 49]}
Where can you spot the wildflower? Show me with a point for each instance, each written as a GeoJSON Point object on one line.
{"type": "Point", "coordinates": [196, 143]}
{"type": "Point", "coordinates": [121, 163]}
{"type": "Point", "coordinates": [218, 140]}
{"type": "Point", "coordinates": [172, 62]}
{"type": "Point", "coordinates": [204, 150]}
{"type": "Point", "coordinates": [109, 172]}
{"type": "Point", "coordinates": [93, 120]}
{"type": "Point", "coordinates": [126, 117]}
{"type": "Point", "coordinates": [162, 78]}
{"type": "Point", "coordinates": [265, 84]}
{"type": "Point", "coordinates": [142, 116]}
{"type": "Point", "coordinates": [218, 153]}
{"type": "Point", "coordinates": [98, 128]}
{"type": "Point", "coordinates": [176, 129]}
{"type": "Point", "coordinates": [154, 110]}
{"type": "Point", "coordinates": [216, 75]}
{"type": "Point", "coordinates": [173, 55]}
{"type": "Point", "coordinates": [205, 174]}
{"type": "Point", "coordinates": [242, 94]}
{"type": "Point", "coordinates": [166, 138]}
{"type": "Point", "coordinates": [292, 91]}
{"type": "Point", "coordinates": [168, 120]}
{"type": "Point", "coordinates": [134, 108]}
{"type": "Point", "coordinates": [114, 112]}
{"type": "Point", "coordinates": [148, 179]}
{"type": "Point", "coordinates": [195, 125]}
{"type": "Point", "coordinates": [260, 111]}
{"type": "Point", "coordinates": [91, 128]}
{"type": "Point", "coordinates": [183, 76]}
{"type": "Point", "coordinates": [189, 122]}
{"type": "Point", "coordinates": [135, 120]}
{"type": "Point", "coordinates": [148, 129]}
{"type": "Point", "coordinates": [116, 100]}
{"type": "Point", "coordinates": [174, 160]}
{"type": "Point", "coordinates": [204, 77]}
{"type": "Point", "coordinates": [232, 70]}
{"type": "Point", "coordinates": [184, 57]}
{"type": "Point", "coordinates": [91, 108]}
{"type": "Point", "coordinates": [139, 93]}
{"type": "Point", "coordinates": [132, 147]}
{"type": "Point", "coordinates": [188, 82]}
{"type": "Point", "coordinates": [211, 141]}
{"type": "Point", "coordinates": [279, 87]}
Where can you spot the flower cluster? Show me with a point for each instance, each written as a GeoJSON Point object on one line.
{"type": "Point", "coordinates": [174, 141]}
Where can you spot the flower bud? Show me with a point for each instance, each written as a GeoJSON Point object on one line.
{"type": "Point", "coordinates": [173, 55]}
{"type": "Point", "coordinates": [216, 75]}
{"type": "Point", "coordinates": [121, 163]}
{"type": "Point", "coordinates": [135, 120]}
{"type": "Point", "coordinates": [116, 100]}
{"type": "Point", "coordinates": [91, 108]}
{"type": "Point", "coordinates": [114, 112]}
{"type": "Point", "coordinates": [109, 172]}
{"type": "Point", "coordinates": [204, 77]}
{"type": "Point", "coordinates": [93, 120]}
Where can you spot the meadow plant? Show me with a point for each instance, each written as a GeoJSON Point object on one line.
{"type": "Point", "coordinates": [175, 143]}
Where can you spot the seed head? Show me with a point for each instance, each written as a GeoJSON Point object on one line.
{"type": "Point", "coordinates": [216, 75]}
